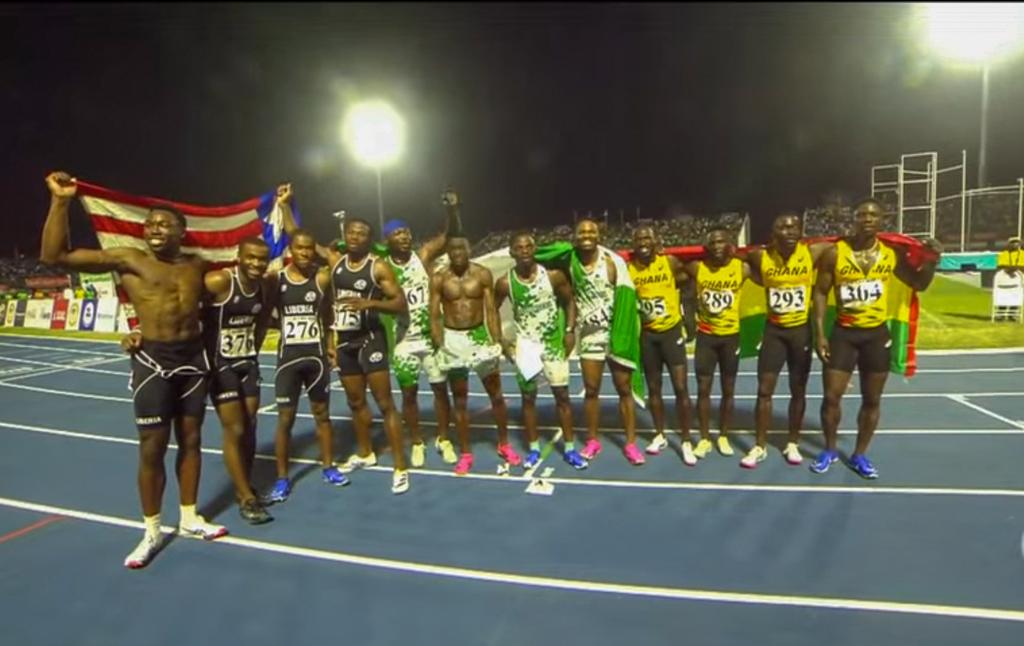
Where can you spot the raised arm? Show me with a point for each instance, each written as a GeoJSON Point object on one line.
{"type": "Point", "coordinates": [563, 291]}
{"type": "Point", "coordinates": [921, 277]}
{"type": "Point", "coordinates": [434, 247]}
{"type": "Point", "coordinates": [284, 200]}
{"type": "Point", "coordinates": [54, 249]}
{"type": "Point", "coordinates": [826, 271]}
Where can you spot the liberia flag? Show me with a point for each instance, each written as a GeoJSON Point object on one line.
{"type": "Point", "coordinates": [213, 232]}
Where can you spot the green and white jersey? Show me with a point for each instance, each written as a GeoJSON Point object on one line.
{"type": "Point", "coordinates": [595, 296]}
{"type": "Point", "coordinates": [536, 313]}
{"type": "Point", "coordinates": [413, 325]}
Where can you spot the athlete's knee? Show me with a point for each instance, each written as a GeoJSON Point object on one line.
{"type": "Point", "coordinates": [654, 398]}
{"type": "Point", "coordinates": [151, 449]}
{"type": "Point", "coordinates": [530, 398]}
{"type": "Point", "coordinates": [871, 400]}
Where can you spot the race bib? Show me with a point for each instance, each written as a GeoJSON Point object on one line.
{"type": "Point", "coordinates": [861, 293]}
{"type": "Point", "coordinates": [598, 318]}
{"type": "Point", "coordinates": [716, 302]}
{"type": "Point", "coordinates": [415, 296]}
{"type": "Point", "coordinates": [784, 300]}
{"type": "Point", "coordinates": [345, 318]}
{"type": "Point", "coordinates": [301, 329]}
{"type": "Point", "coordinates": [236, 343]}
{"type": "Point", "coordinates": [652, 309]}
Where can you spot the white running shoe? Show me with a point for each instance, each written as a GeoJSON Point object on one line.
{"type": "Point", "coordinates": [753, 456]}
{"type": "Point", "coordinates": [204, 530]}
{"type": "Point", "coordinates": [418, 455]}
{"type": "Point", "coordinates": [400, 482]}
{"type": "Point", "coordinates": [657, 443]}
{"type": "Point", "coordinates": [792, 453]}
{"type": "Point", "coordinates": [355, 462]}
{"type": "Point", "coordinates": [144, 551]}
{"type": "Point", "coordinates": [689, 457]}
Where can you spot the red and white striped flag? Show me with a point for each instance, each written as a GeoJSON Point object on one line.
{"type": "Point", "coordinates": [212, 232]}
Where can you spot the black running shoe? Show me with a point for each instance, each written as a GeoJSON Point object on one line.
{"type": "Point", "coordinates": [254, 513]}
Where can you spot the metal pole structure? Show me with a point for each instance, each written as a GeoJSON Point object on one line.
{"type": "Point", "coordinates": [932, 187]}
{"type": "Point", "coordinates": [963, 201]}
{"type": "Point", "coordinates": [984, 128]}
{"type": "Point", "coordinates": [1020, 203]}
{"type": "Point", "coordinates": [380, 202]}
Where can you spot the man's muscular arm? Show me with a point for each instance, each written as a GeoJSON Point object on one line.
{"type": "Point", "coordinates": [55, 232]}
{"type": "Point", "coordinates": [501, 292]}
{"type": "Point", "coordinates": [436, 323]}
{"type": "Point", "coordinates": [822, 287]}
{"type": "Point", "coordinates": [563, 291]}
{"type": "Point", "coordinates": [394, 298]}
{"type": "Point", "coordinates": [492, 318]}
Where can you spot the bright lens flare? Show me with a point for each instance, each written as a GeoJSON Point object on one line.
{"type": "Point", "coordinates": [374, 133]}
{"type": "Point", "coordinates": [974, 33]}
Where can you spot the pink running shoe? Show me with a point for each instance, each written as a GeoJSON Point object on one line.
{"type": "Point", "coordinates": [507, 453]}
{"type": "Point", "coordinates": [633, 454]}
{"type": "Point", "coordinates": [464, 465]}
{"type": "Point", "coordinates": [591, 449]}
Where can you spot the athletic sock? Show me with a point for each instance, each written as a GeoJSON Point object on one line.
{"type": "Point", "coordinates": [570, 446]}
{"type": "Point", "coordinates": [188, 515]}
{"type": "Point", "coordinates": [152, 525]}
{"type": "Point", "coordinates": [535, 446]}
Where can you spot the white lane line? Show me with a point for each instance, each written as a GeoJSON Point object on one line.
{"type": "Point", "coordinates": [569, 585]}
{"type": "Point", "coordinates": [344, 418]}
{"type": "Point", "coordinates": [962, 399]}
{"type": "Point", "coordinates": [588, 482]}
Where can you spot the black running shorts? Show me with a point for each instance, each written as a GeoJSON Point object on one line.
{"type": "Point", "coordinates": [867, 349]}
{"type": "Point", "coordinates": [235, 381]}
{"type": "Point", "coordinates": [363, 356]}
{"type": "Point", "coordinates": [663, 348]}
{"type": "Point", "coordinates": [785, 346]}
{"type": "Point", "coordinates": [168, 380]}
{"type": "Point", "coordinates": [294, 374]}
{"type": "Point", "coordinates": [723, 351]}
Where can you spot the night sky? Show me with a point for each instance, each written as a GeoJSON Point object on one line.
{"type": "Point", "coordinates": [531, 111]}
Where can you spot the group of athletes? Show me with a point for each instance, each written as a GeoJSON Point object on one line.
{"type": "Point", "coordinates": [200, 332]}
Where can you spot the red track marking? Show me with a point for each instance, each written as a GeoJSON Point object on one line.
{"type": "Point", "coordinates": [25, 530]}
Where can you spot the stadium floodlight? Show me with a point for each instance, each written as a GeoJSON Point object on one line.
{"type": "Point", "coordinates": [976, 34]}
{"type": "Point", "coordinates": [375, 134]}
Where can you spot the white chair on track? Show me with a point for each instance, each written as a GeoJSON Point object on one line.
{"type": "Point", "coordinates": [1008, 296]}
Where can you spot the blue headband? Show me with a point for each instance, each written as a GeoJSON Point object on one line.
{"type": "Point", "coordinates": [393, 225]}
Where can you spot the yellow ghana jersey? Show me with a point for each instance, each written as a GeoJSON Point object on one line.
{"type": "Point", "coordinates": [787, 284]}
{"type": "Point", "coordinates": [1007, 258]}
{"type": "Point", "coordinates": [657, 294]}
{"type": "Point", "coordinates": [718, 298]}
{"type": "Point", "coordinates": [862, 299]}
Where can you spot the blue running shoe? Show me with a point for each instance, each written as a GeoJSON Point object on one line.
{"type": "Point", "coordinates": [575, 460]}
{"type": "Point", "coordinates": [532, 458]}
{"type": "Point", "coordinates": [282, 489]}
{"type": "Point", "coordinates": [335, 477]}
{"type": "Point", "coordinates": [824, 461]}
{"type": "Point", "coordinates": [863, 467]}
